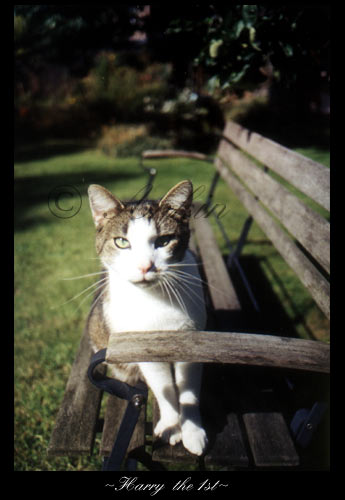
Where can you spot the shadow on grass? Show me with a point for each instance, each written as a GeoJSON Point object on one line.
{"type": "Point", "coordinates": [36, 190]}
{"type": "Point", "coordinates": [32, 151]}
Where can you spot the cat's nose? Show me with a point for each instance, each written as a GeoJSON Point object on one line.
{"type": "Point", "coordinates": [145, 268]}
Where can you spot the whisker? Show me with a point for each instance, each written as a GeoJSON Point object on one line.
{"type": "Point", "coordinates": [101, 294]}
{"type": "Point", "coordinates": [188, 276]}
{"type": "Point", "coordinates": [98, 298]}
{"type": "Point", "coordinates": [164, 281]}
{"type": "Point", "coordinates": [187, 290]}
{"type": "Point", "coordinates": [179, 271]}
{"type": "Point", "coordinates": [190, 290]}
{"type": "Point", "coordinates": [89, 294]}
{"type": "Point", "coordinates": [160, 284]}
{"type": "Point", "coordinates": [177, 296]}
{"type": "Point", "coordinates": [83, 276]}
{"type": "Point", "coordinates": [202, 281]}
{"type": "Point", "coordinates": [166, 289]}
{"type": "Point", "coordinates": [184, 280]}
{"type": "Point", "coordinates": [182, 264]}
{"type": "Point", "coordinates": [81, 293]}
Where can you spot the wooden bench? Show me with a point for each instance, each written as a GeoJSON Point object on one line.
{"type": "Point", "coordinates": [254, 385]}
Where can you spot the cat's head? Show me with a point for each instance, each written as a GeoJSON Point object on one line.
{"type": "Point", "coordinates": [138, 240]}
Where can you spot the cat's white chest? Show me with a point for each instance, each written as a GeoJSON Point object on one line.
{"type": "Point", "coordinates": [133, 308]}
{"type": "Point", "coordinates": [137, 310]}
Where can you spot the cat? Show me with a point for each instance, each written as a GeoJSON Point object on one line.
{"type": "Point", "coordinates": [150, 282]}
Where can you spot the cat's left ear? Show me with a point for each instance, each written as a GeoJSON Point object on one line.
{"type": "Point", "coordinates": [104, 205]}
{"type": "Point", "coordinates": [179, 197]}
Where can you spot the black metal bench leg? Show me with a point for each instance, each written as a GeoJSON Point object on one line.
{"type": "Point", "coordinates": [131, 464]}
{"type": "Point", "coordinates": [136, 397]}
{"type": "Point", "coordinates": [241, 242]}
{"type": "Point", "coordinates": [125, 433]}
{"type": "Point", "coordinates": [305, 423]}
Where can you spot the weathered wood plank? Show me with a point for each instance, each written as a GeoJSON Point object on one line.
{"type": "Point", "coordinates": [115, 410]}
{"type": "Point", "coordinates": [308, 176]}
{"type": "Point", "coordinates": [310, 228]}
{"type": "Point", "coordinates": [221, 289]}
{"type": "Point", "coordinates": [76, 421]}
{"type": "Point", "coordinates": [219, 347]}
{"type": "Point", "coordinates": [228, 448]}
{"type": "Point", "coordinates": [311, 278]}
{"type": "Point", "coordinates": [270, 440]}
{"type": "Point", "coordinates": [172, 153]}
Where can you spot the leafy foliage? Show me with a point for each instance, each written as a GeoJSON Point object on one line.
{"type": "Point", "coordinates": [55, 33]}
{"type": "Point", "coordinates": [238, 44]}
{"type": "Point", "coordinates": [232, 42]}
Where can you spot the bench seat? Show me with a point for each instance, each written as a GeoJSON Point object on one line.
{"type": "Point", "coordinates": [246, 399]}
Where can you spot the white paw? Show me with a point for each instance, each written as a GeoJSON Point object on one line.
{"type": "Point", "coordinates": [194, 438]}
{"type": "Point", "coordinates": [169, 432]}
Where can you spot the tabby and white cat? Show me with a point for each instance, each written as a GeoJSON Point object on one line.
{"type": "Point", "coordinates": [151, 282]}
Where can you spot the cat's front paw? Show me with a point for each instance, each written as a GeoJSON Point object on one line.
{"type": "Point", "coordinates": [169, 432]}
{"type": "Point", "coordinates": [194, 438]}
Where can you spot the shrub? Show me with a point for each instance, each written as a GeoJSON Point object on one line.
{"type": "Point", "coordinates": [120, 91]}
{"type": "Point", "coordinates": [125, 140]}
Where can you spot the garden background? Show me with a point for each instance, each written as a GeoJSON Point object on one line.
{"type": "Point", "coordinates": [94, 87]}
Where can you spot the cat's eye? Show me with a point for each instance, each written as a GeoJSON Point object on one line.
{"type": "Point", "coordinates": [163, 241]}
{"type": "Point", "coordinates": [121, 243]}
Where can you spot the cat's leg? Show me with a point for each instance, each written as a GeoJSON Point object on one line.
{"type": "Point", "coordinates": [188, 381]}
{"type": "Point", "coordinates": [159, 378]}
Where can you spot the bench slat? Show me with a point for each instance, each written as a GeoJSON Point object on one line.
{"type": "Point", "coordinates": [221, 289]}
{"type": "Point", "coordinates": [310, 228]}
{"type": "Point", "coordinates": [307, 175]}
{"type": "Point", "coordinates": [228, 448]}
{"type": "Point", "coordinates": [311, 278]}
{"type": "Point", "coordinates": [269, 439]}
{"type": "Point", "coordinates": [76, 421]}
{"type": "Point", "coordinates": [172, 153]}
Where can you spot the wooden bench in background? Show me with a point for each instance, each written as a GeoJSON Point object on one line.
{"type": "Point", "coordinates": [255, 386]}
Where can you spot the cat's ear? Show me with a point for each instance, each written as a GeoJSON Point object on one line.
{"type": "Point", "coordinates": [104, 205]}
{"type": "Point", "coordinates": [179, 197]}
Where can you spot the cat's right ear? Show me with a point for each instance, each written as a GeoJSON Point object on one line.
{"type": "Point", "coordinates": [103, 204]}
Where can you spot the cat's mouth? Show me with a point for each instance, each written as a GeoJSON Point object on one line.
{"type": "Point", "coordinates": [144, 283]}
{"type": "Point", "coordinates": [147, 281]}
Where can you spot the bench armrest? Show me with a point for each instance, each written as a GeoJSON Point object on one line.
{"type": "Point", "coordinates": [219, 347]}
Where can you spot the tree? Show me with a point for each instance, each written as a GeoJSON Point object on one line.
{"type": "Point", "coordinates": [67, 33]}
{"type": "Point", "coordinates": [234, 43]}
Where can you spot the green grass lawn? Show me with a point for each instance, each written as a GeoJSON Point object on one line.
{"type": "Point", "coordinates": [49, 248]}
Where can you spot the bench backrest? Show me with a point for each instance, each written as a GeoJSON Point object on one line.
{"type": "Point", "coordinates": [264, 194]}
